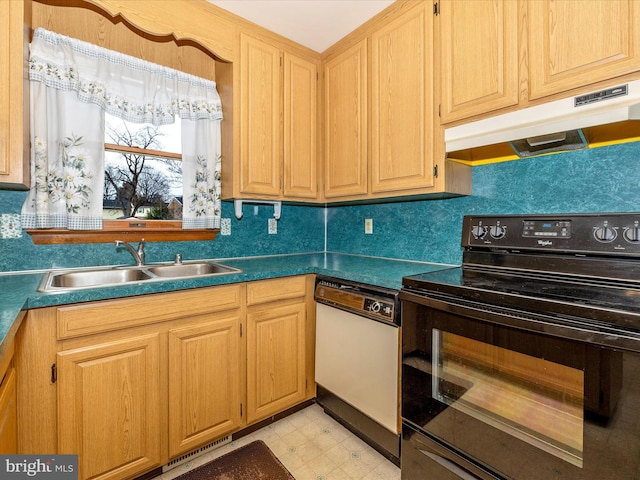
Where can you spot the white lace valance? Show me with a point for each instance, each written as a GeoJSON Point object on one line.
{"type": "Point", "coordinates": [124, 86]}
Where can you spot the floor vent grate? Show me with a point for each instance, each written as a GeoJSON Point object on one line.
{"type": "Point", "coordinates": [196, 453]}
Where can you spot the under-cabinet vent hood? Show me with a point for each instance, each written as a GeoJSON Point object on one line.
{"type": "Point", "coordinates": [553, 126]}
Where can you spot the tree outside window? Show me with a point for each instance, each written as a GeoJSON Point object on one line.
{"type": "Point", "coordinates": [143, 172]}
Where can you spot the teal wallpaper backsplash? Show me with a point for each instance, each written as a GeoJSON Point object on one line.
{"type": "Point", "coordinates": [605, 179]}
{"type": "Point", "coordinates": [300, 230]}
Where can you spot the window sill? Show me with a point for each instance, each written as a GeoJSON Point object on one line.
{"type": "Point", "coordinates": [152, 231]}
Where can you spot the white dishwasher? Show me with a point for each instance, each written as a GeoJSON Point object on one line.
{"type": "Point", "coordinates": [357, 359]}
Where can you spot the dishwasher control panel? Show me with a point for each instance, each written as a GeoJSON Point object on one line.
{"type": "Point", "coordinates": [369, 301]}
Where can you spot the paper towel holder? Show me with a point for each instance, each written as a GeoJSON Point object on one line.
{"type": "Point", "coordinates": [277, 207]}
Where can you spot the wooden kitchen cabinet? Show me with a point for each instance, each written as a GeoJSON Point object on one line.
{"type": "Point", "coordinates": [479, 49]}
{"type": "Point", "coordinates": [8, 408]}
{"type": "Point", "coordinates": [279, 326]}
{"type": "Point", "coordinates": [402, 104]}
{"type": "Point", "coordinates": [15, 19]}
{"type": "Point", "coordinates": [573, 43]}
{"type": "Point", "coordinates": [511, 54]}
{"type": "Point", "coordinates": [278, 98]}
{"type": "Point", "coordinates": [345, 123]}
{"type": "Point", "coordinates": [131, 383]}
{"type": "Point", "coordinates": [381, 136]}
{"type": "Point", "coordinates": [300, 155]}
{"type": "Point", "coordinates": [260, 105]}
{"type": "Point", "coordinates": [110, 401]}
{"type": "Point", "coordinates": [204, 381]}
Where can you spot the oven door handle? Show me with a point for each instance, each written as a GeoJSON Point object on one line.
{"type": "Point", "coordinates": [571, 329]}
{"type": "Point", "coordinates": [439, 454]}
{"type": "Point", "coordinates": [449, 465]}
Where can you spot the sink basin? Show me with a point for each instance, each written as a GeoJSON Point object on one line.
{"type": "Point", "coordinates": [92, 278]}
{"type": "Point", "coordinates": [122, 275]}
{"type": "Point", "coordinates": [190, 269]}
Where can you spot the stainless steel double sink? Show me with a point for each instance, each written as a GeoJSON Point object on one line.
{"type": "Point", "coordinates": [67, 280]}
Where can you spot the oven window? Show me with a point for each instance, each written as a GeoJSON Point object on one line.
{"type": "Point", "coordinates": [535, 400]}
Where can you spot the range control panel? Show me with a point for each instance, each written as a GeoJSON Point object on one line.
{"type": "Point", "coordinates": [614, 233]}
{"type": "Point", "coordinates": [365, 300]}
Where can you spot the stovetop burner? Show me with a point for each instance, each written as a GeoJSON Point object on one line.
{"type": "Point", "coordinates": [610, 306]}
{"type": "Point", "coordinates": [584, 267]}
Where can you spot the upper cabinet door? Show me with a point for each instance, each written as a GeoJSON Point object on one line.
{"type": "Point", "coordinates": [573, 43]}
{"type": "Point", "coordinates": [402, 106]}
{"type": "Point", "coordinates": [260, 107]}
{"type": "Point", "coordinates": [479, 56]}
{"type": "Point", "coordinates": [345, 110]}
{"type": "Point", "coordinates": [14, 112]}
{"type": "Point", "coordinates": [300, 127]}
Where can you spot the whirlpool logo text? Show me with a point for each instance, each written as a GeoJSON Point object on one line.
{"type": "Point", "coordinates": [39, 467]}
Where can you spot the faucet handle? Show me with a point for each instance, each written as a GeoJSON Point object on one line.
{"type": "Point", "coordinates": [138, 254]}
{"type": "Point", "coordinates": [178, 259]}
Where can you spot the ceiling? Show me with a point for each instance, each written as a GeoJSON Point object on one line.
{"type": "Point", "coordinates": [316, 24]}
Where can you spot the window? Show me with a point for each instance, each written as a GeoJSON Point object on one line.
{"type": "Point", "coordinates": [143, 171]}
{"type": "Point", "coordinates": [172, 129]}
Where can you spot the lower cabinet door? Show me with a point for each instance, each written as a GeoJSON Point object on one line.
{"type": "Point", "coordinates": [204, 383]}
{"type": "Point", "coordinates": [8, 414]}
{"type": "Point", "coordinates": [275, 359]}
{"type": "Point", "coordinates": [111, 393]}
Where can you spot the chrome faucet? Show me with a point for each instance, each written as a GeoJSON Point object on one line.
{"type": "Point", "coordinates": [138, 255]}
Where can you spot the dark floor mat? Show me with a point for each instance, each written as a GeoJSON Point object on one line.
{"type": "Point", "coordinates": [252, 462]}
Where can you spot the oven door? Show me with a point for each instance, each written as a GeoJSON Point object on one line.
{"type": "Point", "coordinates": [513, 394]}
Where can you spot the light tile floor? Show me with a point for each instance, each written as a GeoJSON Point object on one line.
{"type": "Point", "coordinates": [313, 446]}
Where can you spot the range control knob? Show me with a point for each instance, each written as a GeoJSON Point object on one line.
{"type": "Point", "coordinates": [632, 234]}
{"type": "Point", "coordinates": [478, 231]}
{"type": "Point", "coordinates": [496, 231]}
{"type": "Point", "coordinates": [605, 233]}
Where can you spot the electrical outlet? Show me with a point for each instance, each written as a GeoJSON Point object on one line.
{"type": "Point", "coordinates": [368, 225]}
{"type": "Point", "coordinates": [273, 226]}
{"type": "Point", "coordinates": [10, 226]}
{"type": "Point", "coordinates": [225, 226]}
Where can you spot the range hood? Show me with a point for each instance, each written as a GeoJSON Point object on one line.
{"type": "Point", "coordinates": [553, 126]}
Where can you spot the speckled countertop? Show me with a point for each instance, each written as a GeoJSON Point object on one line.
{"type": "Point", "coordinates": [19, 292]}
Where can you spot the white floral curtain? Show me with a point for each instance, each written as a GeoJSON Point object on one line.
{"type": "Point", "coordinates": [72, 84]}
{"type": "Point", "coordinates": [67, 164]}
{"type": "Point", "coordinates": [201, 162]}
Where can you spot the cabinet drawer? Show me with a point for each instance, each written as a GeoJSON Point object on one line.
{"type": "Point", "coordinates": [276, 289]}
{"type": "Point", "coordinates": [96, 317]}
